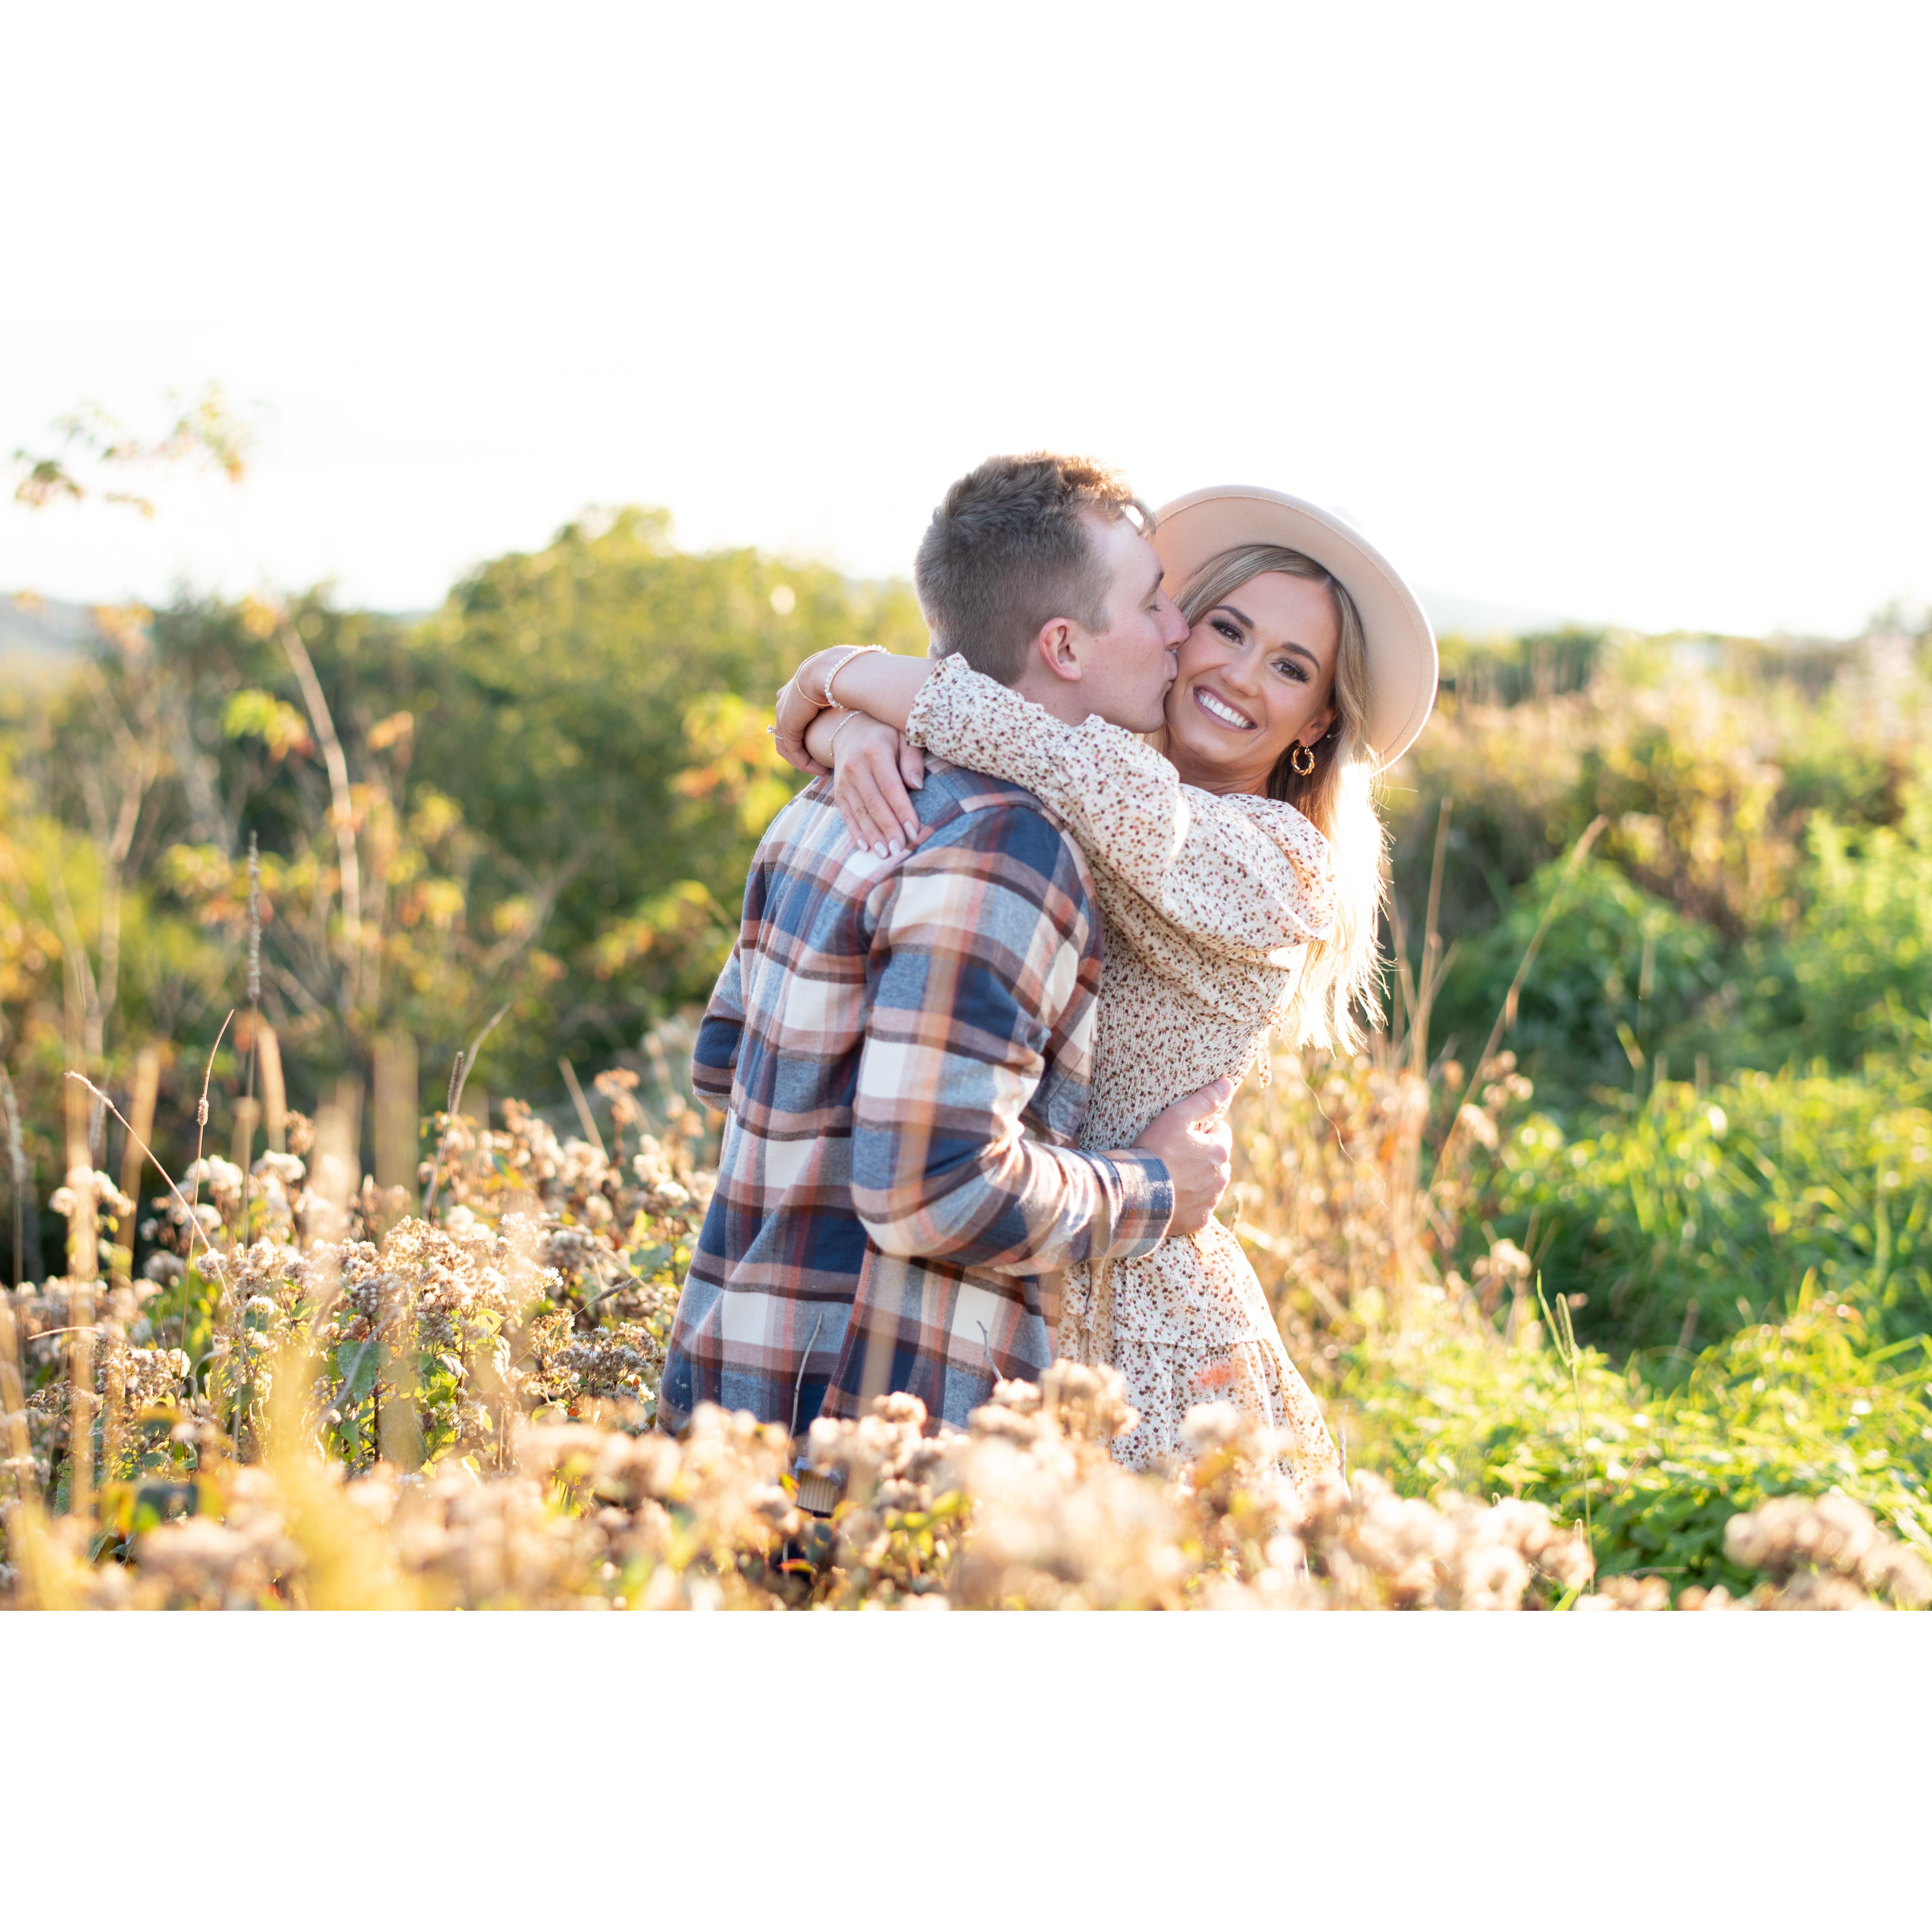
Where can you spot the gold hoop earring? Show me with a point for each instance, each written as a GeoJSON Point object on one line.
{"type": "Point", "coordinates": [1302, 758]}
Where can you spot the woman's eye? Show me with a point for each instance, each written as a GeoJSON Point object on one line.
{"type": "Point", "coordinates": [1289, 668]}
{"type": "Point", "coordinates": [1227, 630]}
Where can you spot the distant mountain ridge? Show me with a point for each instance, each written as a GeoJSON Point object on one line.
{"type": "Point", "coordinates": [1471, 617]}
{"type": "Point", "coordinates": [41, 637]}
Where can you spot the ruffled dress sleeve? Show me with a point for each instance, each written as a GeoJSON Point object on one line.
{"type": "Point", "coordinates": [1248, 878]}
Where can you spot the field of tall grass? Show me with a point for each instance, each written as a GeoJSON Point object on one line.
{"type": "Point", "coordinates": [1609, 1259]}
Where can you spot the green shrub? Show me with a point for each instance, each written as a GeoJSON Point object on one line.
{"type": "Point", "coordinates": [1621, 976]}
{"type": "Point", "coordinates": [1734, 1200]}
{"type": "Point", "coordinates": [1808, 1405]}
{"type": "Point", "coordinates": [1857, 973]}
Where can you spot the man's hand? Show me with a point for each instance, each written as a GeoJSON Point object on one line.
{"type": "Point", "coordinates": [1193, 1138]}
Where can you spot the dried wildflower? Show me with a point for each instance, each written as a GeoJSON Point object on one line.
{"type": "Point", "coordinates": [1630, 1593]}
{"type": "Point", "coordinates": [1817, 1549]}
{"type": "Point", "coordinates": [522, 1329]}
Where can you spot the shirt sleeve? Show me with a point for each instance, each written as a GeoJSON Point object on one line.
{"type": "Point", "coordinates": [714, 1060]}
{"type": "Point", "coordinates": [976, 966]}
{"type": "Point", "coordinates": [1247, 877]}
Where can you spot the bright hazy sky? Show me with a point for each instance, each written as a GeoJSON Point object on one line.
{"type": "Point", "coordinates": [1620, 312]}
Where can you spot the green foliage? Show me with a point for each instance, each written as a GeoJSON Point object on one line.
{"type": "Point", "coordinates": [1516, 670]}
{"type": "Point", "coordinates": [1708, 763]}
{"type": "Point", "coordinates": [1759, 906]}
{"type": "Point", "coordinates": [1622, 977]}
{"type": "Point", "coordinates": [599, 716]}
{"type": "Point", "coordinates": [1856, 974]}
{"type": "Point", "coordinates": [552, 789]}
{"type": "Point", "coordinates": [1739, 1201]}
{"type": "Point", "coordinates": [1800, 1407]}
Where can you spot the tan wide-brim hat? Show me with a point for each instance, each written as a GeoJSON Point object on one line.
{"type": "Point", "coordinates": [1401, 646]}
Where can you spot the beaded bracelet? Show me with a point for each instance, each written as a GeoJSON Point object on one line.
{"type": "Point", "coordinates": [857, 650]}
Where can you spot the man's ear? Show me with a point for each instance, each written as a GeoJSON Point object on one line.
{"type": "Point", "coordinates": [1057, 646]}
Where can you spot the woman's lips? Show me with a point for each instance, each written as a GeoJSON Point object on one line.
{"type": "Point", "coordinates": [1226, 716]}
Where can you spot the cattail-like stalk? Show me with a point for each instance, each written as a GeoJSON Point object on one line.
{"type": "Point", "coordinates": [80, 1404]}
{"type": "Point", "coordinates": [396, 1119]}
{"type": "Point", "coordinates": [254, 922]}
{"type": "Point", "coordinates": [17, 1161]}
{"type": "Point", "coordinates": [274, 1092]}
{"type": "Point", "coordinates": [449, 1113]}
{"type": "Point", "coordinates": [141, 1124]}
{"type": "Point", "coordinates": [246, 1113]}
{"type": "Point", "coordinates": [13, 1403]}
{"type": "Point", "coordinates": [113, 1410]}
{"type": "Point", "coordinates": [200, 1136]}
{"type": "Point", "coordinates": [83, 1228]}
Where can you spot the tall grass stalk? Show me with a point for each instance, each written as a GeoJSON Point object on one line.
{"type": "Point", "coordinates": [341, 809]}
{"type": "Point", "coordinates": [585, 1118]}
{"type": "Point", "coordinates": [200, 1142]}
{"type": "Point", "coordinates": [187, 1207]}
{"type": "Point", "coordinates": [459, 1076]}
{"type": "Point", "coordinates": [1564, 1338]}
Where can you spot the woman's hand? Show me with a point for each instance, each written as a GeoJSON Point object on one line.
{"type": "Point", "coordinates": [873, 770]}
{"type": "Point", "coordinates": [808, 693]}
{"type": "Point", "coordinates": [796, 709]}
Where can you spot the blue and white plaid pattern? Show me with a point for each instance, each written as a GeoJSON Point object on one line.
{"type": "Point", "coordinates": [902, 1049]}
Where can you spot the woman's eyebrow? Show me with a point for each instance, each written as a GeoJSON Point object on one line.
{"type": "Point", "coordinates": [1247, 623]}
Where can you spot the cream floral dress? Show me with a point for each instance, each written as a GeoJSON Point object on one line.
{"type": "Point", "coordinates": [1208, 902]}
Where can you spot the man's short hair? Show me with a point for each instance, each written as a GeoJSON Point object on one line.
{"type": "Point", "coordinates": [1007, 551]}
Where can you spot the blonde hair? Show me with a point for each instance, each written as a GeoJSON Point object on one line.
{"type": "Point", "coordinates": [1342, 975]}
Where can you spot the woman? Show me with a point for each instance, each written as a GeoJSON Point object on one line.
{"type": "Point", "coordinates": [1237, 860]}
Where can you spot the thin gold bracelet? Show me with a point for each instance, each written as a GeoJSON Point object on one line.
{"type": "Point", "coordinates": [832, 743]}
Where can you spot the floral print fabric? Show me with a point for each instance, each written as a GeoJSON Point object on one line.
{"type": "Point", "coordinates": [1208, 902]}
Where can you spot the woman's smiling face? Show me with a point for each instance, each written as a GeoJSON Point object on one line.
{"type": "Point", "coordinates": [1257, 674]}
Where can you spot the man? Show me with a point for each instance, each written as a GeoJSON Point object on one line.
{"type": "Point", "coordinates": [900, 1037]}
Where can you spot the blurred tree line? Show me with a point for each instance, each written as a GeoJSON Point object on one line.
{"type": "Point", "coordinates": [544, 797]}
{"type": "Point", "coordinates": [1759, 895]}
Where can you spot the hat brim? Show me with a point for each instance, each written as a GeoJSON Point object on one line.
{"type": "Point", "coordinates": [1402, 664]}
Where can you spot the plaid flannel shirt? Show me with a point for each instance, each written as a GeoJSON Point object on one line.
{"type": "Point", "coordinates": [902, 1048]}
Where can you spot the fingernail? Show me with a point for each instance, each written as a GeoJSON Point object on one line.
{"type": "Point", "coordinates": [893, 848]}
{"type": "Point", "coordinates": [879, 849]}
{"type": "Point", "coordinates": [911, 831]}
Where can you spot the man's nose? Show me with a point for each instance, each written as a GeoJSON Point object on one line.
{"type": "Point", "coordinates": [1176, 628]}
